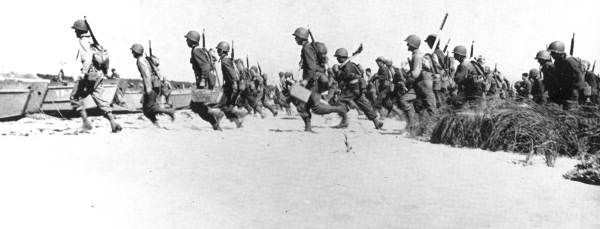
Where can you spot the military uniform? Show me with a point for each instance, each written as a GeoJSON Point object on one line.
{"type": "Point", "coordinates": [230, 89]}
{"type": "Point", "coordinates": [311, 65]}
{"type": "Point", "coordinates": [93, 79]}
{"type": "Point", "coordinates": [201, 64]}
{"type": "Point", "coordinates": [150, 107]}
{"type": "Point", "coordinates": [572, 77]}
{"type": "Point", "coordinates": [350, 76]}
{"type": "Point", "coordinates": [470, 83]}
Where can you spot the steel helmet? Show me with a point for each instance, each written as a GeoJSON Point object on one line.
{"type": "Point", "coordinates": [534, 72]}
{"type": "Point", "coordinates": [388, 62]}
{"type": "Point", "coordinates": [542, 55]}
{"type": "Point", "coordinates": [193, 35]}
{"type": "Point", "coordinates": [223, 46]}
{"type": "Point", "coordinates": [556, 47]}
{"type": "Point", "coordinates": [380, 59]}
{"type": "Point", "coordinates": [430, 38]}
{"type": "Point", "coordinates": [301, 32]}
{"type": "Point", "coordinates": [460, 50]}
{"type": "Point", "coordinates": [137, 48]}
{"type": "Point", "coordinates": [413, 41]}
{"type": "Point", "coordinates": [341, 52]}
{"type": "Point", "coordinates": [80, 25]}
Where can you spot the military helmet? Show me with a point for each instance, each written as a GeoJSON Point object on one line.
{"type": "Point", "coordinates": [542, 55]}
{"type": "Point", "coordinates": [223, 46]}
{"type": "Point", "coordinates": [534, 72]}
{"type": "Point", "coordinates": [556, 47]}
{"type": "Point", "coordinates": [413, 41]}
{"type": "Point", "coordinates": [460, 50]}
{"type": "Point", "coordinates": [80, 25]}
{"type": "Point", "coordinates": [388, 62]}
{"type": "Point", "coordinates": [341, 52]}
{"type": "Point", "coordinates": [301, 32]}
{"type": "Point", "coordinates": [193, 35]}
{"type": "Point", "coordinates": [431, 38]}
{"type": "Point", "coordinates": [137, 48]}
{"type": "Point", "coordinates": [380, 59]}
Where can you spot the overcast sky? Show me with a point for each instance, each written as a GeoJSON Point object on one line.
{"type": "Point", "coordinates": [37, 38]}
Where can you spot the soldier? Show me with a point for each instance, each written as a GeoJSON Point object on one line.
{"type": "Point", "coordinates": [468, 80]}
{"type": "Point", "coordinates": [201, 64]}
{"type": "Point", "coordinates": [525, 86]}
{"type": "Point", "coordinates": [250, 96]}
{"type": "Point", "coordinates": [421, 69]}
{"type": "Point", "coordinates": [350, 76]}
{"type": "Point", "coordinates": [150, 106]}
{"type": "Point", "coordinates": [537, 86]}
{"type": "Point", "coordinates": [570, 74]}
{"type": "Point", "coordinates": [230, 85]}
{"type": "Point", "coordinates": [114, 74]}
{"type": "Point", "coordinates": [382, 83]}
{"type": "Point", "coordinates": [550, 80]}
{"type": "Point", "coordinates": [91, 84]}
{"type": "Point", "coordinates": [313, 68]}
{"type": "Point", "coordinates": [439, 62]}
{"type": "Point", "coordinates": [311, 61]}
{"type": "Point", "coordinates": [397, 75]}
{"type": "Point", "coordinates": [263, 94]}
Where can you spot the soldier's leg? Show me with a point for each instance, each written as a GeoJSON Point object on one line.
{"type": "Point", "coordinates": [572, 99]}
{"type": "Point", "coordinates": [364, 105]}
{"type": "Point", "coordinates": [157, 109]}
{"type": "Point", "coordinates": [208, 114]}
{"type": "Point", "coordinates": [406, 105]}
{"type": "Point", "coordinates": [79, 92]}
{"type": "Point", "coordinates": [104, 105]}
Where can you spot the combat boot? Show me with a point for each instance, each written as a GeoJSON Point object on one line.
{"type": "Point", "coordinates": [114, 126]}
{"type": "Point", "coordinates": [378, 124]}
{"type": "Point", "coordinates": [217, 114]}
{"type": "Point", "coordinates": [307, 126]}
{"type": "Point", "coordinates": [343, 122]}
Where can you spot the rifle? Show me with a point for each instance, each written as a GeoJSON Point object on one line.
{"type": "Point", "coordinates": [572, 44]}
{"type": "Point", "coordinates": [203, 40]}
{"type": "Point", "coordinates": [594, 66]}
{"type": "Point", "coordinates": [354, 54]}
{"type": "Point", "coordinates": [259, 69]}
{"type": "Point", "coordinates": [91, 33]}
{"type": "Point", "coordinates": [447, 43]}
{"type": "Point", "coordinates": [247, 62]}
{"type": "Point", "coordinates": [150, 60]}
{"type": "Point", "coordinates": [210, 59]}
{"type": "Point", "coordinates": [437, 34]}
{"type": "Point", "coordinates": [472, 42]}
{"type": "Point", "coordinates": [315, 47]}
{"type": "Point", "coordinates": [232, 51]}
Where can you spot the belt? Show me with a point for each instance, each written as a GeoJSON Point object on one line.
{"type": "Point", "coordinates": [353, 81]}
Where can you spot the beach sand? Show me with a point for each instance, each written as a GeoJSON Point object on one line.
{"type": "Point", "coordinates": [271, 174]}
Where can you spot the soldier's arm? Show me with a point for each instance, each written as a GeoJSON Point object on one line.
{"type": "Point", "coordinates": [576, 72]}
{"type": "Point", "coordinates": [228, 70]}
{"type": "Point", "coordinates": [85, 55]}
{"type": "Point", "coordinates": [460, 74]}
{"type": "Point", "coordinates": [309, 58]}
{"type": "Point", "coordinates": [202, 62]}
{"type": "Point", "coordinates": [144, 69]}
{"type": "Point", "coordinates": [416, 66]}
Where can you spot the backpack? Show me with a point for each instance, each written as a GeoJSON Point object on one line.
{"type": "Point", "coordinates": [155, 80]}
{"type": "Point", "coordinates": [100, 58]}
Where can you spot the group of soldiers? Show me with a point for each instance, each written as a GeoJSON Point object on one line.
{"type": "Point", "coordinates": [561, 79]}
{"type": "Point", "coordinates": [418, 88]}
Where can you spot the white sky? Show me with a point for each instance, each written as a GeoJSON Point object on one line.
{"type": "Point", "coordinates": [37, 36]}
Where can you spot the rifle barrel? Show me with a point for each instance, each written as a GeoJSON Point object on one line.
{"type": "Point", "coordinates": [572, 44]}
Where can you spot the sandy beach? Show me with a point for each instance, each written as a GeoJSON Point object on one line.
{"type": "Point", "coordinates": [270, 174]}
